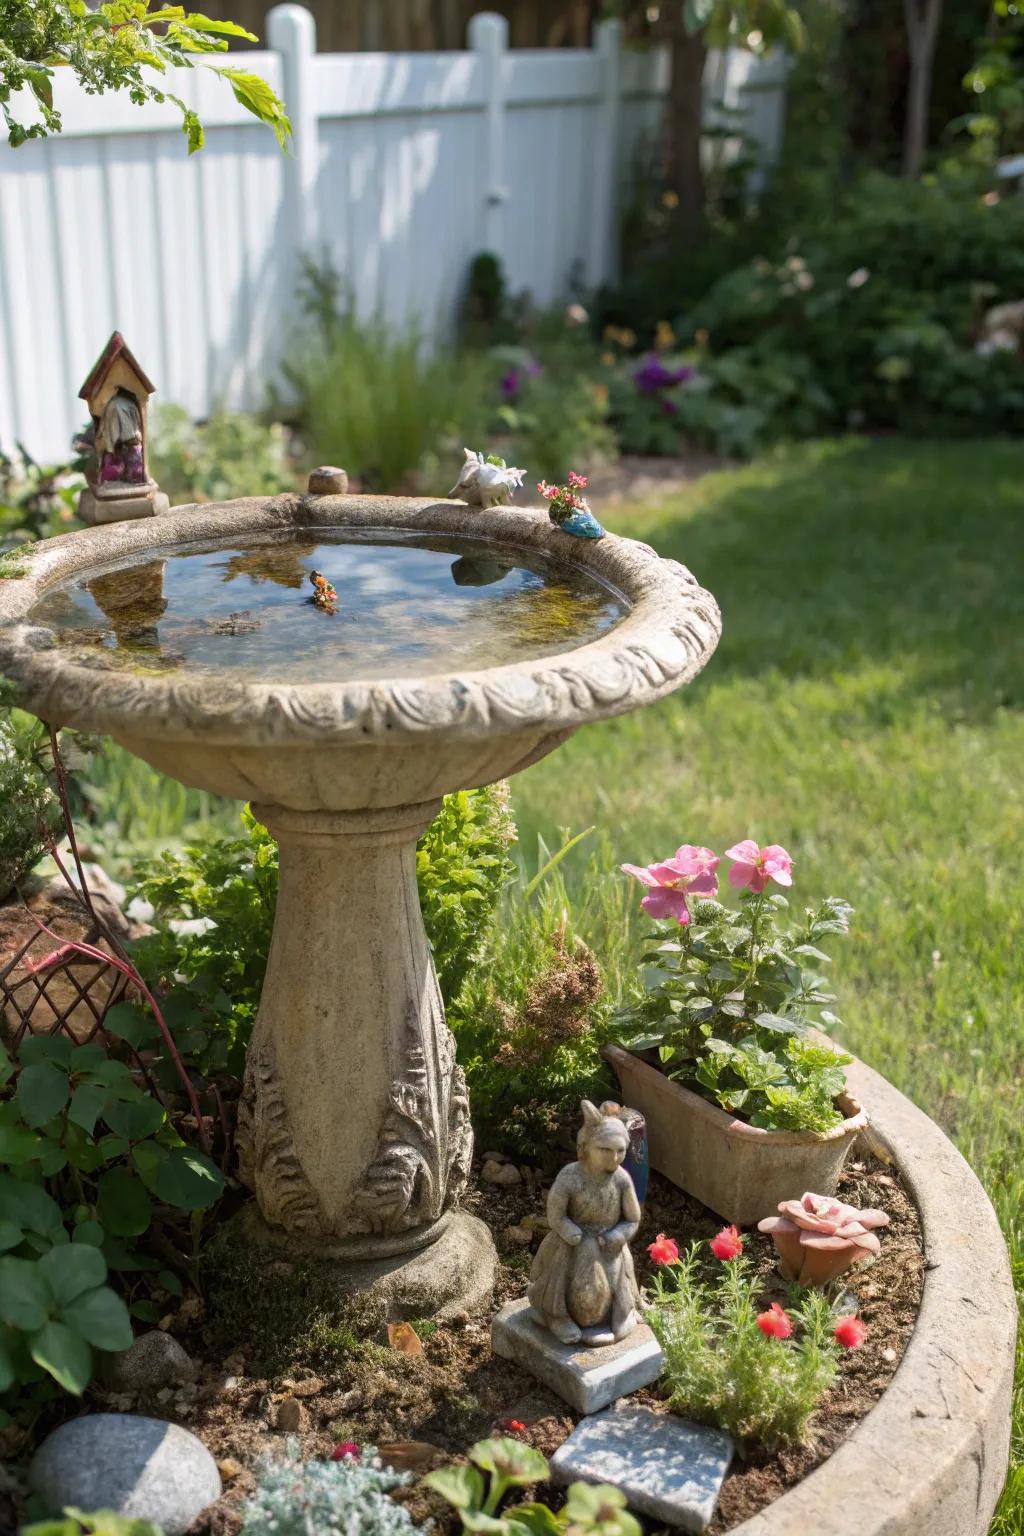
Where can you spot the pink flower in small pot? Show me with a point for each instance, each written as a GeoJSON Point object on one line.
{"type": "Point", "coordinates": [755, 866]}
{"type": "Point", "coordinates": [690, 870]}
{"type": "Point", "coordinates": [818, 1238]}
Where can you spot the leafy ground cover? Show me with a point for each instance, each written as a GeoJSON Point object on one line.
{"type": "Point", "coordinates": [864, 710]}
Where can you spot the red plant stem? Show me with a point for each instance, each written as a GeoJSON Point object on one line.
{"type": "Point", "coordinates": [126, 969]}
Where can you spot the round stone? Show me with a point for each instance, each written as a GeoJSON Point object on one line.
{"type": "Point", "coordinates": [141, 1468]}
{"type": "Point", "coordinates": [328, 480]}
{"type": "Point", "coordinates": [154, 1360]}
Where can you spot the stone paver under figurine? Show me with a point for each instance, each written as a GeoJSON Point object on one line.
{"type": "Point", "coordinates": [586, 1377]}
{"type": "Point", "coordinates": [666, 1467]}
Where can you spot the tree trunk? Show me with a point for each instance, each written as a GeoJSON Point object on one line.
{"type": "Point", "coordinates": [922, 33]}
{"type": "Point", "coordinates": [685, 124]}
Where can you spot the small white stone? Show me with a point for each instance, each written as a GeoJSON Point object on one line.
{"type": "Point", "coordinates": [500, 1173]}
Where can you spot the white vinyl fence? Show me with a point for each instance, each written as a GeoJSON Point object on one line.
{"type": "Point", "coordinates": [404, 166]}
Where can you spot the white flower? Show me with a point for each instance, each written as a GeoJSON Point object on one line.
{"type": "Point", "coordinates": [859, 278]}
{"type": "Point", "coordinates": [804, 281]}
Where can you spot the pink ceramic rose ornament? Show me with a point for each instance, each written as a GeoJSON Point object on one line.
{"type": "Point", "coordinates": [818, 1237]}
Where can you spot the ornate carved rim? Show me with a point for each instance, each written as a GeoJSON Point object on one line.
{"type": "Point", "coordinates": [668, 635]}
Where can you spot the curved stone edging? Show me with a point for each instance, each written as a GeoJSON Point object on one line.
{"type": "Point", "coordinates": [664, 640]}
{"type": "Point", "coordinates": [930, 1458]}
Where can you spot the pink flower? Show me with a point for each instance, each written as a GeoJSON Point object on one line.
{"type": "Point", "coordinates": [755, 866]}
{"type": "Point", "coordinates": [817, 1238]}
{"type": "Point", "coordinates": [346, 1448]}
{"type": "Point", "coordinates": [665, 1250]}
{"type": "Point", "coordinates": [690, 869]}
{"type": "Point", "coordinates": [850, 1332]}
{"type": "Point", "coordinates": [774, 1323]}
{"type": "Point", "coordinates": [578, 482]}
{"type": "Point", "coordinates": [727, 1244]}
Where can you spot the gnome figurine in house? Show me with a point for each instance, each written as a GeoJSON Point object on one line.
{"type": "Point", "coordinates": [583, 1286]}
{"type": "Point", "coordinates": [119, 486]}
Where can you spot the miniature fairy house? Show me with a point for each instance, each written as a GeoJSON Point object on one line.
{"type": "Point", "coordinates": [117, 393]}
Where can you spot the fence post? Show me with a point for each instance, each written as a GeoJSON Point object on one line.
{"type": "Point", "coordinates": [488, 38]}
{"type": "Point", "coordinates": [603, 256]}
{"type": "Point", "coordinates": [291, 31]}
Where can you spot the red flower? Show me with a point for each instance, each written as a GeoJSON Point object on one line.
{"type": "Point", "coordinates": [775, 1323]}
{"type": "Point", "coordinates": [665, 1250]}
{"type": "Point", "coordinates": [346, 1448]}
{"type": "Point", "coordinates": [727, 1244]}
{"type": "Point", "coordinates": [510, 1426]}
{"type": "Point", "coordinates": [850, 1332]}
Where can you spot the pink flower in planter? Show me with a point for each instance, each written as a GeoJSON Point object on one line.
{"type": "Point", "coordinates": [689, 870]}
{"type": "Point", "coordinates": [755, 866]}
{"type": "Point", "coordinates": [850, 1332]}
{"type": "Point", "coordinates": [774, 1323]}
{"type": "Point", "coordinates": [818, 1238]}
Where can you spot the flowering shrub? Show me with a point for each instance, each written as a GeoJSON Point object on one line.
{"type": "Point", "coordinates": [818, 1238]}
{"type": "Point", "coordinates": [758, 1373]}
{"type": "Point", "coordinates": [508, 1464]}
{"type": "Point", "coordinates": [734, 995]}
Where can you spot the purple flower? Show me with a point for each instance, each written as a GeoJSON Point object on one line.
{"type": "Point", "coordinates": [653, 376]}
{"type": "Point", "coordinates": [510, 385]}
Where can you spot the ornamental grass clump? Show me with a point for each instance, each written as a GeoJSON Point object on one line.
{"type": "Point", "coordinates": [732, 995]}
{"type": "Point", "coordinates": [758, 1372]}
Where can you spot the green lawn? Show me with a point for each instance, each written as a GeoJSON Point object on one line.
{"type": "Point", "coordinates": [863, 709]}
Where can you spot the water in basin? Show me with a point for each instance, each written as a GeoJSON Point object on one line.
{"type": "Point", "coordinates": [408, 605]}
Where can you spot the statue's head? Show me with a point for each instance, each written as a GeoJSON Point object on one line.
{"type": "Point", "coordinates": [602, 1141]}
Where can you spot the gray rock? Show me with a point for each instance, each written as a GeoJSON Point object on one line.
{"type": "Point", "coordinates": [141, 1468]}
{"type": "Point", "coordinates": [667, 1468]}
{"type": "Point", "coordinates": [587, 1378]}
{"type": "Point", "coordinates": [154, 1360]}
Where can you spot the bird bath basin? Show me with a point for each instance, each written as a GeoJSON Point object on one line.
{"type": "Point", "coordinates": [466, 646]}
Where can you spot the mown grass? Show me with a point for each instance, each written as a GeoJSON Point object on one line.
{"type": "Point", "coordinates": [863, 709]}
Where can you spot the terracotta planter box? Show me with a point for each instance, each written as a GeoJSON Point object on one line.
{"type": "Point", "coordinates": [737, 1170]}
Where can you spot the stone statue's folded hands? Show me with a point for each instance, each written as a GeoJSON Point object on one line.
{"type": "Point", "coordinates": [570, 1232]}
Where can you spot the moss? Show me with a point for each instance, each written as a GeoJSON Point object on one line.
{"type": "Point", "coordinates": [12, 563]}
{"type": "Point", "coordinates": [281, 1315]}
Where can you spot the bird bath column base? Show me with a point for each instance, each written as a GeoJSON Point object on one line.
{"type": "Point", "coordinates": [354, 1130]}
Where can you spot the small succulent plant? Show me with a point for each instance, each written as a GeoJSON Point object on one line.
{"type": "Point", "coordinates": [508, 1463]}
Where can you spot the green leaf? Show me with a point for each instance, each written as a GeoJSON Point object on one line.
{"type": "Point", "coordinates": [203, 23]}
{"type": "Point", "coordinates": [65, 1355]}
{"type": "Point", "coordinates": [123, 1205]}
{"type": "Point", "coordinates": [777, 1025]}
{"type": "Point", "coordinates": [6, 1066]}
{"type": "Point", "coordinates": [31, 1207]}
{"type": "Point", "coordinates": [463, 1487]}
{"type": "Point", "coordinates": [72, 1269]}
{"type": "Point", "coordinates": [17, 1143]}
{"type": "Point", "coordinates": [135, 1121]}
{"type": "Point", "coordinates": [534, 1519]}
{"type": "Point", "coordinates": [10, 1236]}
{"type": "Point", "coordinates": [42, 1092]}
{"type": "Point", "coordinates": [8, 1370]}
{"type": "Point", "coordinates": [25, 1297]}
{"type": "Point", "coordinates": [87, 1103]}
{"type": "Point", "coordinates": [256, 96]}
{"type": "Point", "coordinates": [510, 1460]}
{"type": "Point", "coordinates": [89, 1232]}
{"type": "Point", "coordinates": [129, 1022]}
{"type": "Point", "coordinates": [188, 1179]}
{"type": "Point", "coordinates": [52, 1048]}
{"type": "Point", "coordinates": [100, 1317]}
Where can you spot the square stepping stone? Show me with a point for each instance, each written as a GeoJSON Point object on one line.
{"type": "Point", "coordinates": [667, 1468]}
{"type": "Point", "coordinates": [587, 1378]}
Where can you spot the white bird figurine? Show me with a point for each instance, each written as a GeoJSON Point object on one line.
{"type": "Point", "coordinates": [485, 482]}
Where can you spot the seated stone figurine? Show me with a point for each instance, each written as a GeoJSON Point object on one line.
{"type": "Point", "coordinates": [583, 1285]}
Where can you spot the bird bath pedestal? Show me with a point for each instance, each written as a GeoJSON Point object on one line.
{"type": "Point", "coordinates": [344, 731]}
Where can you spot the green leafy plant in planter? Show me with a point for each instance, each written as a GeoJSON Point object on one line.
{"type": "Point", "coordinates": [730, 1003]}
{"type": "Point", "coordinates": [497, 1466]}
{"type": "Point", "coordinates": [757, 1372]}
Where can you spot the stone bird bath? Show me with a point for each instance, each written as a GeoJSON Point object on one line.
{"type": "Point", "coordinates": [466, 646]}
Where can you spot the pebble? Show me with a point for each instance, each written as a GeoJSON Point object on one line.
{"type": "Point", "coordinates": [229, 1468]}
{"type": "Point", "coordinates": [889, 1355]}
{"type": "Point", "coordinates": [522, 1235]}
{"type": "Point", "coordinates": [154, 1361]}
{"type": "Point", "coordinates": [144, 1469]}
{"type": "Point", "coordinates": [290, 1416]}
{"type": "Point", "coordinates": [495, 1157]}
{"type": "Point", "coordinates": [500, 1173]}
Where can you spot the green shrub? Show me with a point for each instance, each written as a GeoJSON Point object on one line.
{"type": "Point", "coordinates": [462, 865]}
{"type": "Point", "coordinates": [90, 1162]}
{"type": "Point", "coordinates": [392, 411]}
{"type": "Point", "coordinates": [29, 809]}
{"type": "Point", "coordinates": [36, 501]}
{"type": "Point", "coordinates": [723, 1368]}
{"type": "Point", "coordinates": [232, 454]}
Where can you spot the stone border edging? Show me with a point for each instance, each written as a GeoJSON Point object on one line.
{"type": "Point", "coordinates": [930, 1458]}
